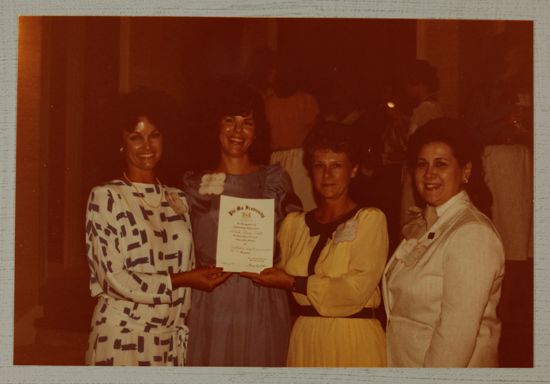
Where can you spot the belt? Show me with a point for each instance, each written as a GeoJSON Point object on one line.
{"type": "Point", "coordinates": [309, 310]}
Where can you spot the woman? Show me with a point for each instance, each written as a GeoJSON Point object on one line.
{"type": "Point", "coordinates": [442, 284]}
{"type": "Point", "coordinates": [332, 260]}
{"type": "Point", "coordinates": [140, 250]}
{"type": "Point", "coordinates": [240, 323]}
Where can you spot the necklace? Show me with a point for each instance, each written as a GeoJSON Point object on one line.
{"type": "Point", "coordinates": [138, 193]}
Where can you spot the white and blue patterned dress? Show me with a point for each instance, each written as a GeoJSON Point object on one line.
{"type": "Point", "coordinates": [132, 249]}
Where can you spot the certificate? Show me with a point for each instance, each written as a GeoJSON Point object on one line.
{"type": "Point", "coordinates": [246, 230]}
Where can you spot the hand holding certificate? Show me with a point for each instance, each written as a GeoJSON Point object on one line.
{"type": "Point", "coordinates": [246, 230]}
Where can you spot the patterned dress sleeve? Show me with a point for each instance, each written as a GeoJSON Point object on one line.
{"type": "Point", "coordinates": [110, 273]}
{"type": "Point", "coordinates": [347, 294]}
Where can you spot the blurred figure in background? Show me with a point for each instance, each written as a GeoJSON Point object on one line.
{"type": "Point", "coordinates": [291, 112]}
{"type": "Point", "coordinates": [500, 117]}
{"type": "Point", "coordinates": [421, 85]}
{"type": "Point", "coordinates": [500, 109]}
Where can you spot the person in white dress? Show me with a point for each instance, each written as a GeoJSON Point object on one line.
{"type": "Point", "coordinates": [442, 285]}
{"type": "Point", "coordinates": [140, 250]}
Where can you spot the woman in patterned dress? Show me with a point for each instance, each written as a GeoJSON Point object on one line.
{"type": "Point", "coordinates": [240, 323]}
{"type": "Point", "coordinates": [140, 250]}
{"type": "Point", "coordinates": [332, 259]}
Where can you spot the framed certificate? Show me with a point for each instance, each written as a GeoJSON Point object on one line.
{"type": "Point", "coordinates": [246, 230]}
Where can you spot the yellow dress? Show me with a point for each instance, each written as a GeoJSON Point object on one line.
{"type": "Point", "coordinates": [342, 282]}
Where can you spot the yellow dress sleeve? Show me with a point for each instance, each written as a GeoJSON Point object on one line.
{"type": "Point", "coordinates": [285, 238]}
{"type": "Point", "coordinates": [349, 292]}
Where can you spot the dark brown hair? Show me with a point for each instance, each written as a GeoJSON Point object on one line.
{"type": "Point", "coordinates": [465, 149]}
{"type": "Point", "coordinates": [334, 136]}
{"type": "Point", "coordinates": [231, 97]}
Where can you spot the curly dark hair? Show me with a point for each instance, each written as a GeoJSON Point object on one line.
{"type": "Point", "coordinates": [334, 136]}
{"type": "Point", "coordinates": [233, 97]}
{"type": "Point", "coordinates": [465, 149]}
{"type": "Point", "coordinates": [122, 112]}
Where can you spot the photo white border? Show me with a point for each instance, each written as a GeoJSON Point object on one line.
{"type": "Point", "coordinates": [536, 10]}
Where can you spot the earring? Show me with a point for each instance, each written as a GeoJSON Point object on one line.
{"type": "Point", "coordinates": [121, 149]}
{"type": "Point", "coordinates": [465, 180]}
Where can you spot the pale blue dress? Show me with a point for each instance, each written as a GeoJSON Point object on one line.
{"type": "Point", "coordinates": [239, 323]}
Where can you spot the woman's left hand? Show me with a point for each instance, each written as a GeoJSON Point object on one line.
{"type": "Point", "coordinates": [271, 277]}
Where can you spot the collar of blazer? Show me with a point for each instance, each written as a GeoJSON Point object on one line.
{"type": "Point", "coordinates": [410, 251]}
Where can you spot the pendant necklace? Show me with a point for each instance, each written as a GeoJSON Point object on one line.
{"type": "Point", "coordinates": [138, 193]}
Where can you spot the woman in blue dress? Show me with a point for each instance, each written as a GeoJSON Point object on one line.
{"type": "Point", "coordinates": [240, 323]}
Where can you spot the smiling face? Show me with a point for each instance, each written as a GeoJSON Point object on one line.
{"type": "Point", "coordinates": [142, 149]}
{"type": "Point", "coordinates": [332, 173]}
{"type": "Point", "coordinates": [236, 135]}
{"type": "Point", "coordinates": [438, 174]}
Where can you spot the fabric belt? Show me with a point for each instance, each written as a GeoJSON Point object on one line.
{"type": "Point", "coordinates": [309, 310]}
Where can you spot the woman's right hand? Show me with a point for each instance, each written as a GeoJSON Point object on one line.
{"type": "Point", "coordinates": [271, 277]}
{"type": "Point", "coordinates": [203, 278]}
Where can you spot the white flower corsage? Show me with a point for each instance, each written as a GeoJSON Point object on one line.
{"type": "Point", "coordinates": [410, 251]}
{"type": "Point", "coordinates": [346, 231]}
{"type": "Point", "coordinates": [415, 226]}
{"type": "Point", "coordinates": [212, 183]}
{"type": "Point", "coordinates": [177, 203]}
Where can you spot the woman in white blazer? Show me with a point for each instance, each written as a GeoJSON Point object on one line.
{"type": "Point", "coordinates": [442, 285]}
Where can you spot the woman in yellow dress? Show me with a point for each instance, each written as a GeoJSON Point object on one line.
{"type": "Point", "coordinates": [332, 259]}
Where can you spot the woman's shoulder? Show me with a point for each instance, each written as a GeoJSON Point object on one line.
{"type": "Point", "coordinates": [105, 195]}
{"type": "Point", "coordinates": [292, 221]}
{"type": "Point", "coordinates": [370, 214]}
{"type": "Point", "coordinates": [295, 217]}
{"type": "Point", "coordinates": [108, 188]}
{"type": "Point", "coordinates": [466, 221]}
{"type": "Point", "coordinates": [275, 175]}
{"type": "Point", "coordinates": [469, 227]}
{"type": "Point", "coordinates": [470, 216]}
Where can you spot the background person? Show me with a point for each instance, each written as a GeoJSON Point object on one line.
{"type": "Point", "coordinates": [291, 112]}
{"type": "Point", "coordinates": [421, 85]}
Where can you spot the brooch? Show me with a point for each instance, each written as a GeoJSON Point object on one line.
{"type": "Point", "coordinates": [212, 183]}
{"type": "Point", "coordinates": [346, 231]}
